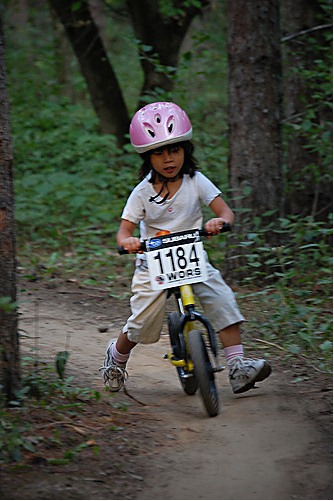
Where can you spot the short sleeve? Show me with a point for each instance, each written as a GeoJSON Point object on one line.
{"type": "Point", "coordinates": [206, 189]}
{"type": "Point", "coordinates": [134, 208]}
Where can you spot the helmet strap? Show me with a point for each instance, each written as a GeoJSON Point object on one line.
{"type": "Point", "coordinates": [153, 199]}
{"type": "Point", "coordinates": [164, 180]}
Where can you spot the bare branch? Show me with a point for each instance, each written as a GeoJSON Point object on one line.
{"type": "Point", "coordinates": [304, 32]}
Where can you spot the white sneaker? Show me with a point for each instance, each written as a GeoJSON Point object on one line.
{"type": "Point", "coordinates": [113, 375]}
{"type": "Point", "coordinates": [245, 372]}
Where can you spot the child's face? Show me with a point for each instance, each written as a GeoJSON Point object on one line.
{"type": "Point", "coordinates": [168, 161]}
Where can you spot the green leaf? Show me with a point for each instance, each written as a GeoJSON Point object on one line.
{"type": "Point", "coordinates": [59, 461]}
{"type": "Point", "coordinates": [61, 360]}
{"type": "Point", "coordinates": [247, 190]}
{"type": "Point", "coordinates": [293, 348]}
{"type": "Point", "coordinates": [7, 304]}
{"type": "Point", "coordinates": [270, 212]}
{"type": "Point", "coordinates": [327, 346]}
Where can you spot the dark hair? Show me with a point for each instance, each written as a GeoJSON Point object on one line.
{"type": "Point", "coordinates": [189, 165]}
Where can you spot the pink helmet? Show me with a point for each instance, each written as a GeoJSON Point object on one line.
{"type": "Point", "coordinates": [158, 124]}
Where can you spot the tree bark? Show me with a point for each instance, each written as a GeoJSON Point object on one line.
{"type": "Point", "coordinates": [254, 113]}
{"type": "Point", "coordinates": [165, 36]}
{"type": "Point", "coordinates": [9, 342]}
{"type": "Point", "coordinates": [309, 188]}
{"type": "Point", "coordinates": [100, 77]}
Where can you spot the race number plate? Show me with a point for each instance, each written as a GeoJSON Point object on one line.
{"type": "Point", "coordinates": [176, 259]}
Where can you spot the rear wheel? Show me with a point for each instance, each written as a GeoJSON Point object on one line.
{"type": "Point", "coordinates": [203, 372]}
{"type": "Point", "coordinates": [188, 380]}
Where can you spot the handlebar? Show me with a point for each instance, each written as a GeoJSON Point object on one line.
{"type": "Point", "coordinates": [203, 233]}
{"type": "Point", "coordinates": [226, 227]}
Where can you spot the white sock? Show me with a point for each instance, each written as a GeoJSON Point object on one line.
{"type": "Point", "coordinates": [118, 357]}
{"type": "Point", "coordinates": [231, 352]}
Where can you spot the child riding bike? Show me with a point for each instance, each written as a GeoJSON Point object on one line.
{"type": "Point", "coordinates": [169, 198]}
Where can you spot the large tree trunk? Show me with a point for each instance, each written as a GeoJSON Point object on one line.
{"type": "Point", "coordinates": [9, 344]}
{"type": "Point", "coordinates": [101, 80]}
{"type": "Point", "coordinates": [255, 115]}
{"type": "Point", "coordinates": [165, 36]}
{"type": "Point", "coordinates": [308, 178]}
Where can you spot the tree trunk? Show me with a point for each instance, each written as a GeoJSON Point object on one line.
{"type": "Point", "coordinates": [309, 180]}
{"type": "Point", "coordinates": [255, 115]}
{"type": "Point", "coordinates": [101, 80]}
{"type": "Point", "coordinates": [164, 34]}
{"type": "Point", "coordinates": [18, 13]}
{"type": "Point", "coordinates": [9, 343]}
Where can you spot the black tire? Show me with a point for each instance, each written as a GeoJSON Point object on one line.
{"type": "Point", "coordinates": [188, 381]}
{"type": "Point", "coordinates": [203, 372]}
{"type": "Point", "coordinates": [173, 329]}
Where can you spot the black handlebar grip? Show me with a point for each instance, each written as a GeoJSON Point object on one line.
{"type": "Point", "coordinates": [121, 250]}
{"type": "Point", "coordinates": [225, 227]}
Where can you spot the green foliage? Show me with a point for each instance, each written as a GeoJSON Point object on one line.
{"type": "Point", "coordinates": [73, 182]}
{"type": "Point", "coordinates": [314, 125]}
{"type": "Point", "coordinates": [41, 392]}
{"type": "Point", "coordinates": [302, 242]}
{"type": "Point", "coordinates": [11, 436]}
{"type": "Point", "coordinates": [61, 361]}
{"type": "Point", "coordinates": [169, 9]}
{"type": "Point", "coordinates": [70, 181]}
{"type": "Point", "coordinates": [296, 302]}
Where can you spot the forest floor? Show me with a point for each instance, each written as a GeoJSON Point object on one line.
{"type": "Point", "coordinates": [152, 441]}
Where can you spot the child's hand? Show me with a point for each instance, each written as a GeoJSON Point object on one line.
{"type": "Point", "coordinates": [132, 245]}
{"type": "Point", "coordinates": [214, 225]}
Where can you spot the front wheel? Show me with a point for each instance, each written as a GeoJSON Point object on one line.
{"type": "Point", "coordinates": [203, 372]}
{"type": "Point", "coordinates": [188, 380]}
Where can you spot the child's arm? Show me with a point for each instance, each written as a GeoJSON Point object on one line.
{"type": "Point", "coordinates": [223, 213]}
{"type": "Point", "coordinates": [125, 236]}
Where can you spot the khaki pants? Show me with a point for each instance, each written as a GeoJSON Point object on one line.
{"type": "Point", "coordinates": [148, 306]}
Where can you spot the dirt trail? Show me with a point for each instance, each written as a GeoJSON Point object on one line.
{"type": "Point", "coordinates": [273, 442]}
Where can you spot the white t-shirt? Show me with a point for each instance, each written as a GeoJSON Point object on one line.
{"type": "Point", "coordinates": [182, 212]}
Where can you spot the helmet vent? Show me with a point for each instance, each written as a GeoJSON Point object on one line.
{"type": "Point", "coordinates": [149, 130]}
{"type": "Point", "coordinates": [158, 119]}
{"type": "Point", "coordinates": [170, 125]}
